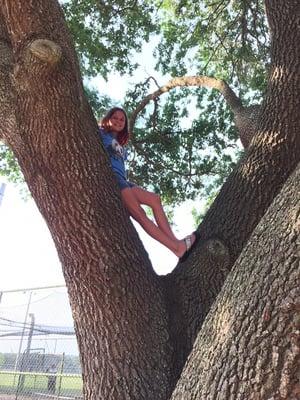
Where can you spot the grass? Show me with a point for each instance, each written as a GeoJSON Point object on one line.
{"type": "Point", "coordinates": [68, 383]}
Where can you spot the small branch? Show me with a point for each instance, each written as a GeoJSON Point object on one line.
{"type": "Point", "coordinates": [115, 11]}
{"type": "Point", "coordinates": [216, 12]}
{"type": "Point", "coordinates": [219, 45]}
{"type": "Point", "coordinates": [154, 114]}
{"type": "Point", "coordinates": [138, 148]}
{"type": "Point", "coordinates": [155, 81]}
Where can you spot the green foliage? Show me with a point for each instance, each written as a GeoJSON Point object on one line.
{"type": "Point", "coordinates": [175, 157]}
{"type": "Point", "coordinates": [108, 33]}
{"type": "Point", "coordinates": [100, 104]}
{"type": "Point", "coordinates": [199, 216]}
{"type": "Point", "coordinates": [9, 166]}
{"type": "Point", "coordinates": [227, 40]}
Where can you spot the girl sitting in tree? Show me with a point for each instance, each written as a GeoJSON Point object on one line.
{"type": "Point", "coordinates": [114, 135]}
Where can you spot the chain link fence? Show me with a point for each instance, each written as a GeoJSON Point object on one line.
{"type": "Point", "coordinates": [38, 349]}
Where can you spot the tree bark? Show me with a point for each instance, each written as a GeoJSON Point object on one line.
{"type": "Point", "coordinates": [248, 192]}
{"type": "Point", "coordinates": [8, 128]}
{"type": "Point", "coordinates": [116, 298]}
{"type": "Point", "coordinates": [249, 345]}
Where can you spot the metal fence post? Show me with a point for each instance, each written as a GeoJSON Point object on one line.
{"type": "Point", "coordinates": [60, 374]}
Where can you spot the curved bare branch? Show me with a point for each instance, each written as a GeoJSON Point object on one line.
{"type": "Point", "coordinates": [233, 101]}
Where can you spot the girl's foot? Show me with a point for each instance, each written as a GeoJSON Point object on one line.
{"type": "Point", "coordinates": [185, 246]}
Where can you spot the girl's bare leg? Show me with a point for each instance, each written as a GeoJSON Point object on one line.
{"type": "Point", "coordinates": [153, 200]}
{"type": "Point", "coordinates": [133, 205]}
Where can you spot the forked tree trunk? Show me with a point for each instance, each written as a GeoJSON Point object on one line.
{"type": "Point", "coordinates": [129, 322]}
{"type": "Point", "coordinates": [249, 344]}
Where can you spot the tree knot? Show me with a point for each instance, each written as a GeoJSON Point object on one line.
{"type": "Point", "coordinates": [217, 248]}
{"type": "Point", "coordinates": [46, 51]}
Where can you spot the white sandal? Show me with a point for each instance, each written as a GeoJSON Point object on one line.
{"type": "Point", "coordinates": [189, 245]}
{"type": "Point", "coordinates": [188, 242]}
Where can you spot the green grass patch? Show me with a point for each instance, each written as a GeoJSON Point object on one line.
{"type": "Point", "coordinates": [39, 382]}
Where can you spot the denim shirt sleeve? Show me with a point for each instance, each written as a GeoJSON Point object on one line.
{"type": "Point", "coordinates": [106, 139]}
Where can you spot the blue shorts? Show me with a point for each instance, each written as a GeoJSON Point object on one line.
{"type": "Point", "coordinates": [123, 183]}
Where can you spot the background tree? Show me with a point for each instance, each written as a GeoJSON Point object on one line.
{"type": "Point", "coordinates": [134, 329]}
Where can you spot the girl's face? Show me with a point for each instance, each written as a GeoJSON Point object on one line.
{"type": "Point", "coordinates": [117, 121]}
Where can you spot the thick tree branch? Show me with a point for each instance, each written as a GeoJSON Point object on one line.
{"type": "Point", "coordinates": [188, 306]}
{"type": "Point", "coordinates": [200, 81]}
{"type": "Point", "coordinates": [256, 315]}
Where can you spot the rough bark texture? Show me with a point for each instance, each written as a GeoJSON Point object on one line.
{"type": "Point", "coordinates": [248, 192]}
{"type": "Point", "coordinates": [189, 297]}
{"type": "Point", "coordinates": [8, 128]}
{"type": "Point", "coordinates": [249, 345]}
{"type": "Point", "coordinates": [116, 298]}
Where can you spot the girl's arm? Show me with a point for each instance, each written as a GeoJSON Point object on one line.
{"type": "Point", "coordinates": [106, 140]}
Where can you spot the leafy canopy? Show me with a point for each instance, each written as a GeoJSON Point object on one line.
{"type": "Point", "coordinates": [186, 143]}
{"type": "Point", "coordinates": [224, 39]}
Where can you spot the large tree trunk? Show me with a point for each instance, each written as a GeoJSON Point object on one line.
{"type": "Point", "coordinates": [249, 345]}
{"type": "Point", "coordinates": [134, 329]}
{"type": "Point", "coordinates": [8, 128]}
{"type": "Point", "coordinates": [244, 198]}
{"type": "Point", "coordinates": [116, 298]}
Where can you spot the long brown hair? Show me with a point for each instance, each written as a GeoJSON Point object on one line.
{"type": "Point", "coordinates": [123, 136]}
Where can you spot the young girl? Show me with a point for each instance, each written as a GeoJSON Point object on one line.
{"type": "Point", "coordinates": [114, 134]}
